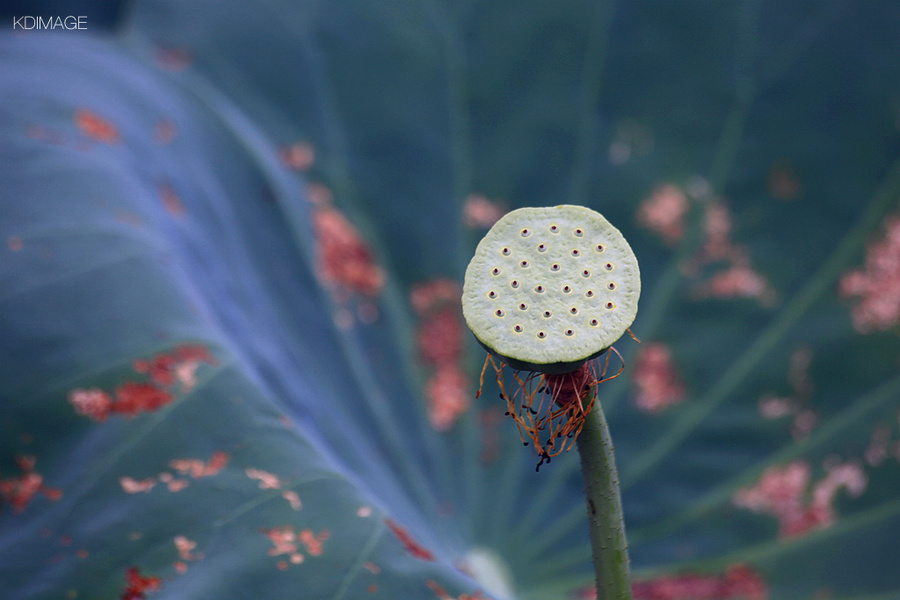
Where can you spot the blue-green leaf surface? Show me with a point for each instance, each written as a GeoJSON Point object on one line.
{"type": "Point", "coordinates": [231, 355]}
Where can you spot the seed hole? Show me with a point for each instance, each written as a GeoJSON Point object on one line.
{"type": "Point", "coordinates": [514, 284]}
{"type": "Point", "coordinates": [505, 252]}
{"type": "Point", "coordinates": [499, 312]}
{"type": "Point", "coordinates": [554, 267]}
{"type": "Point", "coordinates": [566, 289]}
{"type": "Point", "coordinates": [570, 332]}
{"type": "Point", "coordinates": [524, 264]}
{"type": "Point", "coordinates": [579, 232]}
{"type": "Point", "coordinates": [495, 271]}
{"type": "Point", "coordinates": [589, 293]}
{"type": "Point", "coordinates": [609, 266]}
{"type": "Point", "coordinates": [576, 252]}
{"type": "Point", "coordinates": [526, 232]}
{"type": "Point", "coordinates": [594, 322]}
{"type": "Point", "coordinates": [547, 314]}
{"type": "Point", "coordinates": [610, 305]}
{"type": "Point", "coordinates": [492, 294]}
{"type": "Point", "coordinates": [539, 289]}
{"type": "Point", "coordinates": [586, 273]}
{"type": "Point", "coordinates": [611, 285]}
{"type": "Point", "coordinates": [599, 248]}
{"type": "Point", "coordinates": [517, 329]}
{"type": "Point", "coordinates": [523, 306]}
{"type": "Point", "coordinates": [542, 247]}
{"type": "Point", "coordinates": [574, 310]}
{"type": "Point", "coordinates": [554, 229]}
{"type": "Point", "coordinates": [542, 334]}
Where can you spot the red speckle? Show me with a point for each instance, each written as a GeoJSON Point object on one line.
{"type": "Point", "coordinates": [285, 541]}
{"type": "Point", "coordinates": [160, 369]}
{"type": "Point", "coordinates": [408, 543]}
{"type": "Point", "coordinates": [197, 468]}
{"type": "Point", "coordinates": [658, 383]}
{"type": "Point", "coordinates": [738, 281]}
{"type": "Point", "coordinates": [440, 336]}
{"type": "Point", "coordinates": [481, 213]}
{"type": "Point", "coordinates": [739, 582]}
{"type": "Point", "coordinates": [783, 492]}
{"type": "Point", "coordinates": [138, 585]}
{"type": "Point", "coordinates": [134, 486]}
{"type": "Point", "coordinates": [96, 127]}
{"type": "Point", "coordinates": [185, 548]}
{"type": "Point", "coordinates": [133, 398]}
{"type": "Point", "coordinates": [299, 156]}
{"type": "Point", "coordinates": [664, 211]}
{"type": "Point", "coordinates": [19, 491]}
{"type": "Point", "coordinates": [313, 542]}
{"type": "Point", "coordinates": [14, 243]}
{"type": "Point", "coordinates": [372, 567]}
{"type": "Point", "coordinates": [345, 261]}
{"type": "Point", "coordinates": [731, 274]}
{"type": "Point", "coordinates": [773, 407]}
{"type": "Point", "coordinates": [440, 339]}
{"type": "Point", "coordinates": [171, 201]}
{"type": "Point", "coordinates": [442, 594]}
{"type": "Point", "coordinates": [293, 499]}
{"type": "Point", "coordinates": [876, 286]}
{"type": "Point", "coordinates": [94, 403]}
{"type": "Point", "coordinates": [267, 481]}
{"type": "Point", "coordinates": [448, 395]}
{"type": "Point", "coordinates": [373, 588]}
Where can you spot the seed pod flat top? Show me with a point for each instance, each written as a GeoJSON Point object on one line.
{"type": "Point", "coordinates": [549, 288]}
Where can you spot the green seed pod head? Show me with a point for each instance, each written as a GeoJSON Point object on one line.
{"type": "Point", "coordinates": [550, 288]}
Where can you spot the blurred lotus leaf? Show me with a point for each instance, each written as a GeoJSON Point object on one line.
{"type": "Point", "coordinates": [232, 241]}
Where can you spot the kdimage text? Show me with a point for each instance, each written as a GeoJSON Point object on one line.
{"type": "Point", "coordinates": [69, 22]}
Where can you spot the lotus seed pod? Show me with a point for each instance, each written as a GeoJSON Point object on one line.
{"type": "Point", "coordinates": [550, 288]}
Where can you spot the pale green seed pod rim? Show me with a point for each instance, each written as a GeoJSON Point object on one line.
{"type": "Point", "coordinates": [551, 287]}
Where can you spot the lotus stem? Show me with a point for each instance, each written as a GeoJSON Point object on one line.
{"type": "Point", "coordinates": [604, 507]}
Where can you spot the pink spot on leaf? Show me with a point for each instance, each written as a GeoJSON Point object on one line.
{"type": "Point", "coordinates": [345, 260]}
{"type": "Point", "coordinates": [299, 156]}
{"type": "Point", "coordinates": [19, 491]}
{"type": "Point", "coordinates": [197, 468]}
{"type": "Point", "coordinates": [133, 398]}
{"type": "Point", "coordinates": [876, 286]}
{"type": "Point", "coordinates": [784, 492]}
{"type": "Point", "coordinates": [171, 201]}
{"type": "Point", "coordinates": [94, 403]}
{"type": "Point", "coordinates": [479, 212]}
{"type": "Point", "coordinates": [138, 586]}
{"type": "Point", "coordinates": [267, 481]}
{"type": "Point", "coordinates": [408, 542]}
{"type": "Point", "coordinates": [440, 338]}
{"type": "Point", "coordinates": [134, 486]}
{"type": "Point", "coordinates": [96, 127]}
{"type": "Point", "coordinates": [739, 582]}
{"type": "Point", "coordinates": [185, 548]}
{"type": "Point", "coordinates": [657, 381]}
{"type": "Point", "coordinates": [664, 211]}
{"type": "Point", "coordinates": [293, 499]}
{"type": "Point", "coordinates": [312, 541]}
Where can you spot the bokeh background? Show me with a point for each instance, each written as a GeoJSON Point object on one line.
{"type": "Point", "coordinates": [232, 359]}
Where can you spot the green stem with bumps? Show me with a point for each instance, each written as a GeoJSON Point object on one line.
{"type": "Point", "coordinates": [604, 504]}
